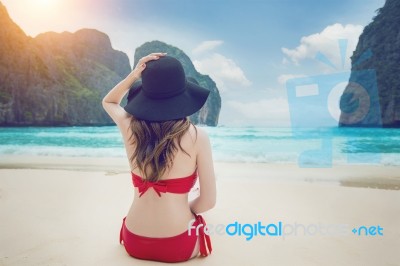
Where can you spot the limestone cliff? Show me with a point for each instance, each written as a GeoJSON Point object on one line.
{"type": "Point", "coordinates": [378, 51]}
{"type": "Point", "coordinates": [59, 79]}
{"type": "Point", "coordinates": [56, 78]}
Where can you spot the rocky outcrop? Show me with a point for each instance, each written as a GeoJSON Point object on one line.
{"type": "Point", "coordinates": [209, 114]}
{"type": "Point", "coordinates": [59, 79]}
{"type": "Point", "coordinates": [377, 52]}
{"type": "Point", "coordinates": [56, 78]}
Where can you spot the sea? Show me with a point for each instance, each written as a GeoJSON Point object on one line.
{"type": "Point", "coordinates": [312, 147]}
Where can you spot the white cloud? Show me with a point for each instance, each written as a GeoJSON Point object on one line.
{"type": "Point", "coordinates": [224, 71]}
{"type": "Point", "coordinates": [207, 46]}
{"type": "Point", "coordinates": [263, 112]}
{"type": "Point", "coordinates": [325, 42]}
{"type": "Point", "coordinates": [285, 77]}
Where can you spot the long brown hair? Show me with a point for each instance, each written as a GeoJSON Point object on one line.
{"type": "Point", "coordinates": [156, 144]}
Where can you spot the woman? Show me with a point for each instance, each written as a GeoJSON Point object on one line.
{"type": "Point", "coordinates": [166, 154]}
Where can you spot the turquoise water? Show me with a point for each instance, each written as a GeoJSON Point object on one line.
{"type": "Point", "coordinates": [250, 144]}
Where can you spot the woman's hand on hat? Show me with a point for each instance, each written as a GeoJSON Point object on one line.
{"type": "Point", "coordinates": [141, 65]}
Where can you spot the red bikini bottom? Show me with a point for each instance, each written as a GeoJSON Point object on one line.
{"type": "Point", "coordinates": [166, 249]}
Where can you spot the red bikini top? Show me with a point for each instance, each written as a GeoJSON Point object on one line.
{"type": "Point", "coordinates": [176, 185]}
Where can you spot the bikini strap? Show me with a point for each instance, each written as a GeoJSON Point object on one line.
{"type": "Point", "coordinates": [120, 232]}
{"type": "Point", "coordinates": [204, 239]}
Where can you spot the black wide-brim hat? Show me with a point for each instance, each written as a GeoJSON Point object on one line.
{"type": "Point", "coordinates": [164, 92]}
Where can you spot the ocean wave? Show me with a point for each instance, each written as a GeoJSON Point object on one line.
{"type": "Point", "coordinates": [255, 145]}
{"type": "Point", "coordinates": [61, 151]}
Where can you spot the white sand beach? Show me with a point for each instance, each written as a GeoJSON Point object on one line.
{"type": "Point", "coordinates": [68, 211]}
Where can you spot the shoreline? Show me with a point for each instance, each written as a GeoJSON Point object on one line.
{"type": "Point", "coordinates": [355, 175]}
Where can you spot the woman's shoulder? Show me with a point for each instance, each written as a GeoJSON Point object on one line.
{"type": "Point", "coordinates": [199, 135]}
{"type": "Point", "coordinates": [193, 134]}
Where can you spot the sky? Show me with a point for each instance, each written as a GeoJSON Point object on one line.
{"type": "Point", "coordinates": [251, 49]}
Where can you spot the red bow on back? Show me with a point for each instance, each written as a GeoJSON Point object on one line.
{"type": "Point", "coordinates": [158, 187]}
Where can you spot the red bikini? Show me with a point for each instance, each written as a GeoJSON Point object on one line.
{"type": "Point", "coordinates": [177, 185]}
{"type": "Point", "coordinates": [166, 249]}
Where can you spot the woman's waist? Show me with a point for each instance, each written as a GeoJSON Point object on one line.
{"type": "Point", "coordinates": [154, 222]}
